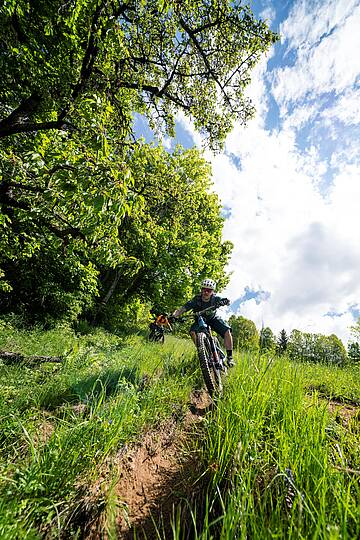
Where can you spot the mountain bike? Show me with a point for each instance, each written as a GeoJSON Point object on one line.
{"type": "Point", "coordinates": [157, 328]}
{"type": "Point", "coordinates": [210, 354]}
{"type": "Point", "coordinates": [156, 333]}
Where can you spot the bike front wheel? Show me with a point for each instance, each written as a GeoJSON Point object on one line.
{"type": "Point", "coordinates": [212, 376]}
{"type": "Point", "coordinates": [156, 337]}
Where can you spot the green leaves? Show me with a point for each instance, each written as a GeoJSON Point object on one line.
{"type": "Point", "coordinates": [245, 334]}
{"type": "Point", "coordinates": [156, 56]}
{"type": "Point", "coordinates": [77, 188]}
{"type": "Point", "coordinates": [174, 234]}
{"type": "Point", "coordinates": [316, 348]}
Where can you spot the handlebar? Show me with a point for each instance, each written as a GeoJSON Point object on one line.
{"type": "Point", "coordinates": [222, 302]}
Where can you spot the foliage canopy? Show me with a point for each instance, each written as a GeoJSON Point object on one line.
{"type": "Point", "coordinates": [84, 211]}
{"type": "Point", "coordinates": [245, 334]}
{"type": "Point", "coordinates": [150, 56]}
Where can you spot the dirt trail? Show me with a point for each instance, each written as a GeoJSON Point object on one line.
{"type": "Point", "coordinates": [156, 473]}
{"type": "Point", "coordinates": [343, 411]}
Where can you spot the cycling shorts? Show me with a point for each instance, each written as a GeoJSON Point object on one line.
{"type": "Point", "coordinates": [218, 325]}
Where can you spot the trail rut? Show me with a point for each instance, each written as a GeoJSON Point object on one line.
{"type": "Point", "coordinates": [156, 473]}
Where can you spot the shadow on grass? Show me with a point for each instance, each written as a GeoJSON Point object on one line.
{"type": "Point", "coordinates": [90, 388]}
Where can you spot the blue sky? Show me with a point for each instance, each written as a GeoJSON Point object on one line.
{"type": "Point", "coordinates": [290, 180]}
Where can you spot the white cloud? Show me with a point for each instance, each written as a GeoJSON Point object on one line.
{"type": "Point", "coordinates": [323, 65]}
{"type": "Point", "coordinates": [167, 143]}
{"type": "Point", "coordinates": [300, 116]}
{"type": "Point", "coordinates": [320, 270]}
{"type": "Point", "coordinates": [309, 21]}
{"type": "Point", "coordinates": [343, 207]}
{"type": "Point", "coordinates": [346, 109]}
{"type": "Point", "coordinates": [348, 153]}
{"type": "Point", "coordinates": [290, 240]}
{"type": "Point", "coordinates": [268, 15]}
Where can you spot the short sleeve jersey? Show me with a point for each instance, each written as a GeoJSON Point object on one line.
{"type": "Point", "coordinates": [197, 304]}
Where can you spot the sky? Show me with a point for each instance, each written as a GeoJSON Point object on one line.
{"type": "Point", "coordinates": [289, 181]}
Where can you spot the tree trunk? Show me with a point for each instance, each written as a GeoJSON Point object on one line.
{"type": "Point", "coordinates": [16, 358]}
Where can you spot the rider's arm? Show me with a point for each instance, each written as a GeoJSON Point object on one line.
{"type": "Point", "coordinates": [186, 307]}
{"type": "Point", "coordinates": [179, 312]}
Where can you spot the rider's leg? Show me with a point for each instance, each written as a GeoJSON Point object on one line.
{"type": "Point", "coordinates": [228, 342]}
{"type": "Point", "coordinates": [224, 330]}
{"type": "Point", "coordinates": [193, 336]}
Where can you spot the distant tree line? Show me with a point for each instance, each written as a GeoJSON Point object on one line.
{"type": "Point", "coordinates": [300, 346]}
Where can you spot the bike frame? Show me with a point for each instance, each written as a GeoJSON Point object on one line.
{"type": "Point", "coordinates": [209, 352]}
{"type": "Point", "coordinates": [205, 328]}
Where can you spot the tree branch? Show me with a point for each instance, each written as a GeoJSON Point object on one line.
{"type": "Point", "coordinates": [24, 110]}
{"type": "Point", "coordinates": [8, 201]}
{"type": "Point", "coordinates": [91, 52]}
{"type": "Point", "coordinates": [26, 187]}
{"type": "Point", "coordinates": [36, 126]}
{"type": "Point", "coordinates": [154, 91]}
{"type": "Point", "coordinates": [191, 34]}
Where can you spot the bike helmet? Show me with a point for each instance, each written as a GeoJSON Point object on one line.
{"type": "Point", "coordinates": [208, 284]}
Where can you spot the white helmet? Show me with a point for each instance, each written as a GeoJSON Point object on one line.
{"type": "Point", "coordinates": [208, 284]}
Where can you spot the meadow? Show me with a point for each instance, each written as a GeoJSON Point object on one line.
{"type": "Point", "coordinates": [282, 460]}
{"type": "Point", "coordinates": [276, 457]}
{"type": "Point", "coordinates": [60, 422]}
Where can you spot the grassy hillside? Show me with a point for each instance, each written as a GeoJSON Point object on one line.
{"type": "Point", "coordinates": [278, 457]}
{"type": "Point", "coordinates": [281, 461]}
{"type": "Point", "coordinates": [59, 422]}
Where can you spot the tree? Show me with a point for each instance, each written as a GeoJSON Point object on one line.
{"type": "Point", "coordinates": [296, 345]}
{"type": "Point", "coordinates": [150, 56]}
{"type": "Point", "coordinates": [355, 330]}
{"type": "Point", "coordinates": [316, 348]}
{"type": "Point", "coordinates": [173, 240]}
{"type": "Point", "coordinates": [282, 342]}
{"type": "Point", "coordinates": [62, 207]}
{"type": "Point", "coordinates": [354, 351]}
{"type": "Point", "coordinates": [162, 248]}
{"type": "Point", "coordinates": [335, 350]}
{"type": "Point", "coordinates": [267, 342]}
{"type": "Point", "coordinates": [245, 334]}
{"type": "Point", "coordinates": [354, 344]}
{"type": "Point", "coordinates": [73, 76]}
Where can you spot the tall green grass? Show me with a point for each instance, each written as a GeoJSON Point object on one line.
{"type": "Point", "coordinates": [274, 460]}
{"type": "Point", "coordinates": [334, 382]}
{"type": "Point", "coordinates": [59, 422]}
{"type": "Point", "coordinates": [276, 464]}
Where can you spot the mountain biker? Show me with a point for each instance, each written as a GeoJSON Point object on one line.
{"type": "Point", "coordinates": [205, 299]}
{"type": "Point", "coordinates": [161, 322]}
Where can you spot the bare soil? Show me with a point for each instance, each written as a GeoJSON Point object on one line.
{"type": "Point", "coordinates": [343, 412]}
{"type": "Point", "coordinates": [156, 473]}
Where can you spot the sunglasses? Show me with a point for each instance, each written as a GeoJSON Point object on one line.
{"type": "Point", "coordinates": [204, 289]}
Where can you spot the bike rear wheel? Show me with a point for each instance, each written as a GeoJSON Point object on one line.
{"type": "Point", "coordinates": [212, 376]}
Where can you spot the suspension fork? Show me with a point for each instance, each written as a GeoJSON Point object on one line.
{"type": "Point", "coordinates": [205, 328]}
{"type": "Point", "coordinates": [214, 352]}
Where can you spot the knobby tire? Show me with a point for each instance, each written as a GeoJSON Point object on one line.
{"type": "Point", "coordinates": [157, 338]}
{"type": "Point", "coordinates": [212, 376]}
